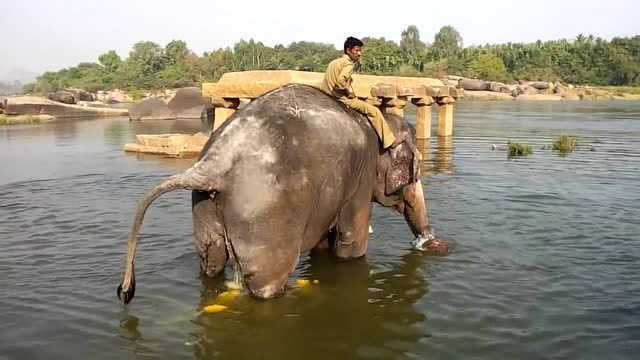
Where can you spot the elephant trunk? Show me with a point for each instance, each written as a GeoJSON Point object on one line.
{"type": "Point", "coordinates": [415, 210]}
{"type": "Point", "coordinates": [187, 180]}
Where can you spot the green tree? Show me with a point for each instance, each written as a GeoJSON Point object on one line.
{"type": "Point", "coordinates": [176, 51]}
{"type": "Point", "coordinates": [110, 60]}
{"type": "Point", "coordinates": [447, 42]}
{"type": "Point", "coordinates": [148, 57]}
{"type": "Point", "coordinates": [489, 67]}
{"type": "Point", "coordinates": [412, 47]}
{"type": "Point", "coordinates": [380, 56]}
{"type": "Point", "coordinates": [583, 60]}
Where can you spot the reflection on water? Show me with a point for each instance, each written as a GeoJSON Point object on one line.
{"type": "Point", "coordinates": [352, 312]}
{"type": "Point", "coordinates": [546, 261]}
{"type": "Point", "coordinates": [436, 159]}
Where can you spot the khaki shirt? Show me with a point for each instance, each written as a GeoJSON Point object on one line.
{"type": "Point", "coordinates": [337, 78]}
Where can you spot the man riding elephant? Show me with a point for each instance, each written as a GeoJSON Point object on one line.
{"type": "Point", "coordinates": [337, 83]}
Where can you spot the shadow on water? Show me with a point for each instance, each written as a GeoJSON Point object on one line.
{"type": "Point", "coordinates": [353, 311]}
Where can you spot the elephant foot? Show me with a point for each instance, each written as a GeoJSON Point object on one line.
{"type": "Point", "coordinates": [430, 245]}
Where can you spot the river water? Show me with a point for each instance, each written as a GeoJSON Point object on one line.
{"type": "Point", "coordinates": [545, 260]}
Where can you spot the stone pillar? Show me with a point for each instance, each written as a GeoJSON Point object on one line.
{"type": "Point", "coordinates": [394, 106]}
{"type": "Point", "coordinates": [423, 116]}
{"type": "Point", "coordinates": [445, 116]}
{"type": "Point", "coordinates": [224, 108]}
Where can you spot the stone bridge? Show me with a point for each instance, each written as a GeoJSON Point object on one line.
{"type": "Point", "coordinates": [390, 93]}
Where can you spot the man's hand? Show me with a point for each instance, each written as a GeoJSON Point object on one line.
{"type": "Point", "coordinates": [350, 93]}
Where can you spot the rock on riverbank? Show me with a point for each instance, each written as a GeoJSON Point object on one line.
{"type": "Point", "coordinates": [477, 89]}
{"type": "Point", "coordinates": [35, 105]}
{"type": "Point", "coordinates": [185, 103]}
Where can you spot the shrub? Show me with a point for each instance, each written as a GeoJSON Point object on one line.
{"type": "Point", "coordinates": [564, 143]}
{"type": "Point", "coordinates": [517, 149]}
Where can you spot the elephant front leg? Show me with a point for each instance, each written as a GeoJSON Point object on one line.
{"type": "Point", "coordinates": [353, 228]}
{"type": "Point", "coordinates": [208, 233]}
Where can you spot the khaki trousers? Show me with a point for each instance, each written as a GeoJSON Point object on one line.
{"type": "Point", "coordinates": [375, 118]}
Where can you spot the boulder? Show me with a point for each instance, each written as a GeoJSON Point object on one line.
{"type": "Point", "coordinates": [527, 90]}
{"type": "Point", "coordinates": [114, 96]}
{"type": "Point", "coordinates": [498, 87]}
{"type": "Point", "coordinates": [64, 97]}
{"type": "Point", "coordinates": [449, 82]}
{"type": "Point", "coordinates": [152, 108]}
{"type": "Point", "coordinates": [81, 95]}
{"type": "Point", "coordinates": [188, 103]}
{"type": "Point", "coordinates": [540, 85]}
{"type": "Point", "coordinates": [473, 84]}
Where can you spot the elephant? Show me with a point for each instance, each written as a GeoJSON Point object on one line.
{"type": "Point", "coordinates": [293, 171]}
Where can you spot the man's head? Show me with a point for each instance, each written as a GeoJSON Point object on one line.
{"type": "Point", "coordinates": [353, 48]}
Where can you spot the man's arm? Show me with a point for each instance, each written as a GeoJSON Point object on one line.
{"type": "Point", "coordinates": [344, 78]}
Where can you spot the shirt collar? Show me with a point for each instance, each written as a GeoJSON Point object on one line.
{"type": "Point", "coordinates": [348, 58]}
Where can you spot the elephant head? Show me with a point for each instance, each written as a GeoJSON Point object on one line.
{"type": "Point", "coordinates": [398, 185]}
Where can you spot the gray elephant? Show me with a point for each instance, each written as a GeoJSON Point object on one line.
{"type": "Point", "coordinates": [293, 171]}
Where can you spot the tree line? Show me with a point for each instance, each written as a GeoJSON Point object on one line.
{"type": "Point", "coordinates": [584, 60]}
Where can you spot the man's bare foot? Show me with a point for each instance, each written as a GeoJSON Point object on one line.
{"type": "Point", "coordinates": [399, 140]}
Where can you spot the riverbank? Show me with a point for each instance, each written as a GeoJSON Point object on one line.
{"type": "Point", "coordinates": [477, 89]}
{"type": "Point", "coordinates": [37, 105]}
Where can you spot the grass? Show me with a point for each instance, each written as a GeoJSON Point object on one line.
{"type": "Point", "coordinates": [517, 149]}
{"type": "Point", "coordinates": [23, 119]}
{"type": "Point", "coordinates": [564, 143]}
{"type": "Point", "coordinates": [621, 90]}
{"type": "Point", "coordinates": [136, 94]}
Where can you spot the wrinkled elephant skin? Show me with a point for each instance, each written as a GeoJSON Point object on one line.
{"type": "Point", "coordinates": [293, 171]}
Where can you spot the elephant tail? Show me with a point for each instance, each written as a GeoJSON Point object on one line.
{"type": "Point", "coordinates": [187, 180]}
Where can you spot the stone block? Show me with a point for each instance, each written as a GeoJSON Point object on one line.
{"type": "Point", "coordinates": [422, 101]}
{"type": "Point", "coordinates": [384, 91]}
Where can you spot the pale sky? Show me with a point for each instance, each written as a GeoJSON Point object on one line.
{"type": "Point", "coordinates": [39, 35]}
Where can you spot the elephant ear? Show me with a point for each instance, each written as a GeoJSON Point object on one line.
{"type": "Point", "coordinates": [401, 171]}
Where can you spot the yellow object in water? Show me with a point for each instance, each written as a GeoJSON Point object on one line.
{"type": "Point", "coordinates": [303, 282]}
{"type": "Point", "coordinates": [229, 295]}
{"type": "Point", "coordinates": [233, 285]}
{"type": "Point", "coordinates": [214, 308]}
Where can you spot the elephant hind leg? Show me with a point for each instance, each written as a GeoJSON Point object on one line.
{"type": "Point", "coordinates": [208, 233]}
{"type": "Point", "coordinates": [267, 251]}
{"type": "Point", "coordinates": [327, 242]}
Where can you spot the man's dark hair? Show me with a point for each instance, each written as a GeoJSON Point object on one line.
{"type": "Point", "coordinates": [351, 42]}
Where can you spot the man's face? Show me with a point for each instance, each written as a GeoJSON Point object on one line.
{"type": "Point", "coordinates": [354, 53]}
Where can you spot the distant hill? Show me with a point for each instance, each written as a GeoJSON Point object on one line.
{"type": "Point", "coordinates": [17, 74]}
{"type": "Point", "coordinates": [10, 88]}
